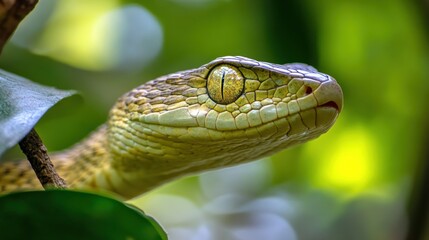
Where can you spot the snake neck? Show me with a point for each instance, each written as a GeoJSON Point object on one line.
{"type": "Point", "coordinates": [82, 163]}
{"type": "Point", "coordinates": [92, 164]}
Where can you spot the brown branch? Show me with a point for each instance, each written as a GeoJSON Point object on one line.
{"type": "Point", "coordinates": [11, 14]}
{"type": "Point", "coordinates": [36, 153]}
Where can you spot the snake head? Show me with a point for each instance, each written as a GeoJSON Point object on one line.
{"type": "Point", "coordinates": [231, 110]}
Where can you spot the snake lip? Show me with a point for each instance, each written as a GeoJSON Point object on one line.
{"type": "Point", "coordinates": [331, 104]}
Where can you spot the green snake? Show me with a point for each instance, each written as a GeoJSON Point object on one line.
{"type": "Point", "coordinates": [227, 112]}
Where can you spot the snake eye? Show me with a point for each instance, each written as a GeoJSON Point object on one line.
{"type": "Point", "coordinates": [225, 84]}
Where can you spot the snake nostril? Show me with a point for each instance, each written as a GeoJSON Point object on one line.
{"type": "Point", "coordinates": [308, 90]}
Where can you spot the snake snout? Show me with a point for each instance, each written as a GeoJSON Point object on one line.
{"type": "Point", "coordinates": [329, 94]}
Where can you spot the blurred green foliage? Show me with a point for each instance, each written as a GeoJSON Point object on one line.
{"type": "Point", "coordinates": [351, 183]}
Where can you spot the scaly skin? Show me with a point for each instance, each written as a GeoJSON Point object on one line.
{"type": "Point", "coordinates": [230, 111]}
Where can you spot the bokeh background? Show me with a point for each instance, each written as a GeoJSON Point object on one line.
{"type": "Point", "coordinates": [361, 180]}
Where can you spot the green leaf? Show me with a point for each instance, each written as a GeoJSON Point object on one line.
{"type": "Point", "coordinates": [22, 104]}
{"type": "Point", "coordinates": [63, 214]}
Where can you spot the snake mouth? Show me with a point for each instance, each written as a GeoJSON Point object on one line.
{"type": "Point", "coordinates": [331, 104]}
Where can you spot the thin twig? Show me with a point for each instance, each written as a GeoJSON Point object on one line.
{"type": "Point", "coordinates": [36, 153]}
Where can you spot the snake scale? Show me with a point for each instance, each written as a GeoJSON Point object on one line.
{"type": "Point", "coordinates": [227, 112]}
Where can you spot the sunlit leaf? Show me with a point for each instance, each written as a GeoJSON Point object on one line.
{"type": "Point", "coordinates": [59, 214]}
{"type": "Point", "coordinates": [22, 104]}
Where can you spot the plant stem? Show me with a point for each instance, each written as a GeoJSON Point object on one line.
{"type": "Point", "coordinates": [36, 153]}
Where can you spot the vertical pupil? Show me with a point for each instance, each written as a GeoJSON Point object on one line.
{"type": "Point", "coordinates": [222, 83]}
{"type": "Point", "coordinates": [225, 84]}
